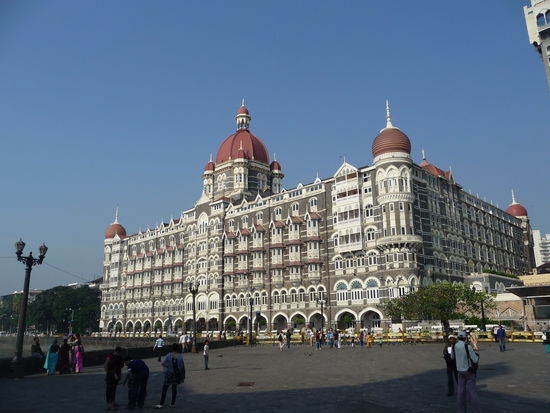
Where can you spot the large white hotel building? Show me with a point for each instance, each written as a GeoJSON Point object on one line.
{"type": "Point", "coordinates": [354, 240]}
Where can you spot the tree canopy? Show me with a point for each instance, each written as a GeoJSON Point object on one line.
{"type": "Point", "coordinates": [441, 302]}
{"type": "Point", "coordinates": [51, 310]}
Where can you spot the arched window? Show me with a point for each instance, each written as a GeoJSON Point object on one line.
{"type": "Point", "coordinates": [372, 289]}
{"type": "Point", "coordinates": [341, 291]}
{"type": "Point", "coordinates": [356, 290]}
{"type": "Point", "coordinates": [372, 258]}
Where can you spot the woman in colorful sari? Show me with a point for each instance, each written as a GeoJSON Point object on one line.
{"type": "Point", "coordinates": [51, 358]}
{"type": "Point", "coordinates": [79, 357]}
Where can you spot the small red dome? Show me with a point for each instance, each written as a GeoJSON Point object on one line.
{"type": "Point", "coordinates": [252, 148]}
{"type": "Point", "coordinates": [242, 110]}
{"type": "Point", "coordinates": [115, 229]}
{"type": "Point", "coordinates": [516, 210]}
{"type": "Point", "coordinates": [391, 140]}
{"type": "Point", "coordinates": [275, 166]}
{"type": "Point", "coordinates": [209, 166]}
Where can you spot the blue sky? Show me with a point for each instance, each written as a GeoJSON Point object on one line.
{"type": "Point", "coordinates": [107, 104]}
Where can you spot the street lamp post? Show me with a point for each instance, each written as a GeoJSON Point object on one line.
{"type": "Point", "coordinates": [322, 302]}
{"type": "Point", "coordinates": [193, 289]}
{"type": "Point", "coordinates": [170, 325]}
{"type": "Point", "coordinates": [250, 322]}
{"type": "Point", "coordinates": [29, 262]}
{"type": "Point", "coordinates": [71, 320]}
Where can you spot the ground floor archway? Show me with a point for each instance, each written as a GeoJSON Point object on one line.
{"type": "Point", "coordinates": [280, 322]}
{"type": "Point", "coordinates": [370, 319]}
{"type": "Point", "coordinates": [212, 324]}
{"type": "Point", "coordinates": [230, 323]}
{"type": "Point", "coordinates": [345, 320]}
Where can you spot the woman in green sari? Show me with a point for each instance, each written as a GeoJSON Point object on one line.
{"type": "Point", "coordinates": [50, 364]}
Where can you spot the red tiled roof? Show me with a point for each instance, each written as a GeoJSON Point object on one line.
{"type": "Point", "coordinates": [279, 245]}
{"type": "Point", "coordinates": [230, 235]}
{"type": "Point", "coordinates": [315, 215]}
{"type": "Point", "coordinates": [296, 220]}
{"type": "Point", "coordinates": [259, 228]}
{"type": "Point", "coordinates": [244, 231]}
{"type": "Point", "coordinates": [294, 242]}
{"type": "Point", "coordinates": [279, 224]}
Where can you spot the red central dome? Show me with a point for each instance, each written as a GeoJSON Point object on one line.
{"type": "Point", "coordinates": [115, 229]}
{"type": "Point", "coordinates": [391, 140]}
{"type": "Point", "coordinates": [517, 210]}
{"type": "Point", "coordinates": [242, 142]}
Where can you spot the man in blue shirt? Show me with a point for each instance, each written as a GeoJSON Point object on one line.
{"type": "Point", "coordinates": [466, 361]}
{"type": "Point", "coordinates": [501, 337]}
{"type": "Point", "coordinates": [138, 374]}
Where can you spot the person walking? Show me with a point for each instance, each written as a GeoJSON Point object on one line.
{"type": "Point", "coordinates": [113, 369]}
{"type": "Point", "coordinates": [452, 376]}
{"type": "Point", "coordinates": [182, 342]}
{"type": "Point", "coordinates": [36, 349]}
{"type": "Point", "coordinates": [335, 338]}
{"type": "Point", "coordinates": [466, 360]}
{"type": "Point", "coordinates": [473, 339]}
{"type": "Point", "coordinates": [546, 341]}
{"type": "Point", "coordinates": [369, 340]}
{"type": "Point", "coordinates": [205, 353]}
{"type": "Point", "coordinates": [361, 339]}
{"type": "Point", "coordinates": [281, 339]}
{"type": "Point", "coordinates": [330, 338]}
{"type": "Point", "coordinates": [50, 364]}
{"type": "Point", "coordinates": [159, 347]}
{"type": "Point", "coordinates": [64, 362]}
{"type": "Point", "coordinates": [288, 337]}
{"type": "Point", "coordinates": [137, 377]}
{"type": "Point", "coordinates": [79, 357]}
{"type": "Point", "coordinates": [318, 339]}
{"type": "Point", "coordinates": [174, 374]}
{"type": "Point", "coordinates": [501, 337]}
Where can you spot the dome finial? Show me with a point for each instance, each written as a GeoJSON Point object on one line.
{"type": "Point", "coordinates": [513, 197]}
{"type": "Point", "coordinates": [243, 117]}
{"type": "Point", "coordinates": [388, 115]}
{"type": "Point", "coordinates": [423, 155]}
{"type": "Point", "coordinates": [274, 156]}
{"type": "Point", "coordinates": [210, 157]}
{"type": "Point", "coordinates": [116, 216]}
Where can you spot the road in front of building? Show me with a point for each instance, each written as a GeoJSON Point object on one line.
{"type": "Point", "coordinates": [393, 378]}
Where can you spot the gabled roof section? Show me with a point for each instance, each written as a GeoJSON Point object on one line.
{"type": "Point", "coordinates": [345, 169]}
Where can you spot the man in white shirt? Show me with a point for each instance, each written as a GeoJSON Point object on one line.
{"type": "Point", "coordinates": [206, 353]}
{"type": "Point", "coordinates": [182, 341]}
{"type": "Point", "coordinates": [159, 346]}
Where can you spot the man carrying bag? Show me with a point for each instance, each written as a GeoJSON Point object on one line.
{"type": "Point", "coordinates": [466, 365]}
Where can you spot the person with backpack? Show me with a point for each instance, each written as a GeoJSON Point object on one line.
{"type": "Point", "coordinates": [174, 374]}
{"type": "Point", "coordinates": [466, 361]}
{"type": "Point", "coordinates": [452, 376]}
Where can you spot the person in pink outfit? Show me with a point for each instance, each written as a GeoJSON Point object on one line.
{"type": "Point", "coordinates": [79, 356]}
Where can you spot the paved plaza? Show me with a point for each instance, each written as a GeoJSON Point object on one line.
{"type": "Point", "coordinates": [394, 378]}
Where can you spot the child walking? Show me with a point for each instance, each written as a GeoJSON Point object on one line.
{"type": "Point", "coordinates": [205, 352]}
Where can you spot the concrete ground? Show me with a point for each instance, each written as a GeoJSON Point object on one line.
{"type": "Point", "coordinates": [394, 378]}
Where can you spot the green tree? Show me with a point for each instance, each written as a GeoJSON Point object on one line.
{"type": "Point", "coordinates": [442, 302]}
